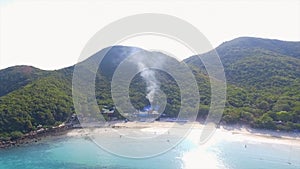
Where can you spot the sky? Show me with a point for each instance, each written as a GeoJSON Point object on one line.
{"type": "Point", "coordinates": [50, 34]}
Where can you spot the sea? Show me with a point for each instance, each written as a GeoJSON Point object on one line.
{"type": "Point", "coordinates": [223, 151]}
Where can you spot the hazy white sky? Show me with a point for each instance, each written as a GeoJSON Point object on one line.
{"type": "Point", "coordinates": [50, 34]}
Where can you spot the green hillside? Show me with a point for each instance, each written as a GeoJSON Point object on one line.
{"type": "Point", "coordinates": [263, 80]}
{"type": "Point", "coordinates": [13, 78]}
{"type": "Point", "coordinates": [46, 101]}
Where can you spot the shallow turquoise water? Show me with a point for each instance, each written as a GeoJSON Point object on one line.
{"type": "Point", "coordinates": [259, 155]}
{"type": "Point", "coordinates": [80, 153]}
{"type": "Point", "coordinates": [75, 153]}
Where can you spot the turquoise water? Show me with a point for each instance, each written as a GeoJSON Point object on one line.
{"type": "Point", "coordinates": [80, 153]}
{"type": "Point", "coordinates": [260, 155]}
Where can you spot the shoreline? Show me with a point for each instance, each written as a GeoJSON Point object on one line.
{"type": "Point", "coordinates": [34, 137]}
{"type": "Point", "coordinates": [248, 135]}
{"type": "Point", "coordinates": [237, 131]}
{"type": "Point", "coordinates": [262, 132]}
{"type": "Point", "coordinates": [232, 133]}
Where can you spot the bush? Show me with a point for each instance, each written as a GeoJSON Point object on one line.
{"type": "Point", "coordinates": [266, 122]}
{"type": "Point", "coordinates": [16, 135]}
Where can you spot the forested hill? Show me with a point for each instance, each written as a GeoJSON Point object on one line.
{"type": "Point", "coordinates": [263, 79]}
{"type": "Point", "coordinates": [258, 63]}
{"type": "Point", "coordinates": [15, 77]}
{"type": "Point", "coordinates": [264, 76]}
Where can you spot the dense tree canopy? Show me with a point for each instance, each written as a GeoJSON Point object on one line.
{"type": "Point", "coordinates": [263, 88]}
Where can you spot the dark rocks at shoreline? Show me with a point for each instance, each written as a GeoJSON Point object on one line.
{"type": "Point", "coordinates": [34, 137]}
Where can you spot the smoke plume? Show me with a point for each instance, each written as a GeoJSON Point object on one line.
{"type": "Point", "coordinates": [151, 82]}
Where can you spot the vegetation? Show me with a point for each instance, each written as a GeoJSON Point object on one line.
{"type": "Point", "coordinates": [15, 77]}
{"type": "Point", "coordinates": [263, 79]}
{"type": "Point", "coordinates": [263, 88]}
{"type": "Point", "coordinates": [45, 102]}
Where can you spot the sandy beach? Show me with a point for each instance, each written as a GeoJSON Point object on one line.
{"type": "Point", "coordinates": [229, 133]}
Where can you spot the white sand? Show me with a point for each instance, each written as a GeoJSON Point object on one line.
{"type": "Point", "coordinates": [223, 133]}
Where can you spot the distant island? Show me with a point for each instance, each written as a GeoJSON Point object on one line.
{"type": "Point", "coordinates": [263, 89]}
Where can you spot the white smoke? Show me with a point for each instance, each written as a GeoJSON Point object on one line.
{"type": "Point", "coordinates": [152, 84]}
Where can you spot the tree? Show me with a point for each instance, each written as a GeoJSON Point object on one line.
{"type": "Point", "coordinates": [284, 116]}
{"type": "Point", "coordinates": [266, 121]}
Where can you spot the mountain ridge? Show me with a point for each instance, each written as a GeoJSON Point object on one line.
{"type": "Point", "coordinates": [263, 87]}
